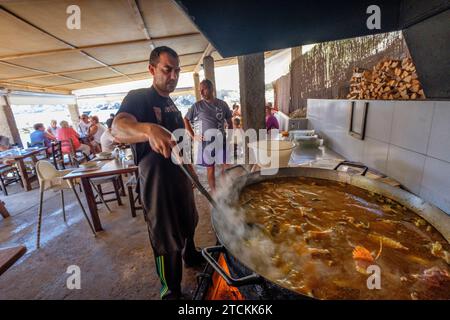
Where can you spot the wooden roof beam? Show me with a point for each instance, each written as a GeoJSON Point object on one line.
{"type": "Point", "coordinates": [109, 78]}
{"type": "Point", "coordinates": [94, 46]}
{"type": "Point", "coordinates": [17, 17]}
{"type": "Point", "coordinates": [49, 74]}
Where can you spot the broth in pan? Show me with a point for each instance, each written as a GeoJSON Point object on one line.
{"type": "Point", "coordinates": [329, 235]}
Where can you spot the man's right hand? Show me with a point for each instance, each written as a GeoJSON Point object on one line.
{"type": "Point", "coordinates": [160, 140]}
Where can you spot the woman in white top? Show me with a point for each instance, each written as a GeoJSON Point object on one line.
{"type": "Point", "coordinates": [108, 141]}
{"type": "Point", "coordinates": [95, 131]}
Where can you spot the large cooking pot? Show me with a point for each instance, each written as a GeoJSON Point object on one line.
{"type": "Point", "coordinates": [256, 284]}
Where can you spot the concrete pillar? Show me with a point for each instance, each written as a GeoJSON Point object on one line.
{"type": "Point", "coordinates": [208, 66]}
{"type": "Point", "coordinates": [197, 86]}
{"type": "Point", "coordinates": [252, 90]}
{"type": "Point", "coordinates": [74, 114]}
{"type": "Point", "coordinates": [8, 126]}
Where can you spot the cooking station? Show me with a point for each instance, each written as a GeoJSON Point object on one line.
{"type": "Point", "coordinates": [226, 277]}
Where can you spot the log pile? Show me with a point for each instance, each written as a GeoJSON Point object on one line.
{"type": "Point", "coordinates": [388, 80]}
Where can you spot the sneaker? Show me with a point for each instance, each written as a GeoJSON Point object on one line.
{"type": "Point", "coordinates": [172, 295]}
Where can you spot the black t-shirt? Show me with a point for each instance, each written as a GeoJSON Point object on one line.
{"type": "Point", "coordinates": [165, 191]}
{"type": "Point", "coordinates": [148, 106]}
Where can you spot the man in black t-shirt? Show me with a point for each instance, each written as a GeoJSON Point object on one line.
{"type": "Point", "coordinates": [145, 119]}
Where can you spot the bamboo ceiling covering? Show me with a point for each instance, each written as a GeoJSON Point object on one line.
{"type": "Point", "coordinates": [39, 53]}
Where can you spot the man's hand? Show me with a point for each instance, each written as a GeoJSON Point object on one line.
{"type": "Point", "coordinates": [160, 140]}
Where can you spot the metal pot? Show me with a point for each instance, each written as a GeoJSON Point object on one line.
{"type": "Point", "coordinates": [243, 275]}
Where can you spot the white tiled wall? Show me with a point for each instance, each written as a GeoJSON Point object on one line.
{"type": "Point", "coordinates": [439, 144]}
{"type": "Point", "coordinates": [407, 140]}
{"type": "Point", "coordinates": [411, 125]}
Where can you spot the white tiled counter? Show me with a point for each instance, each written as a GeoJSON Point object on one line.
{"type": "Point", "coordinates": [406, 140]}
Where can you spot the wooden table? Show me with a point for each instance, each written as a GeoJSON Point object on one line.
{"type": "Point", "coordinates": [108, 168]}
{"type": "Point", "coordinates": [19, 156]}
{"type": "Point", "coordinates": [8, 256]}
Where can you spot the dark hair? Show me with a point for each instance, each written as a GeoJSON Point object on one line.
{"type": "Point", "coordinates": [237, 121]}
{"type": "Point", "coordinates": [109, 123]}
{"type": "Point", "coordinates": [208, 83]}
{"type": "Point", "coordinates": [154, 55]}
{"type": "Point", "coordinates": [37, 126]}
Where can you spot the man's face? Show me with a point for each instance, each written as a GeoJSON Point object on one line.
{"type": "Point", "coordinates": [85, 119]}
{"type": "Point", "coordinates": [165, 73]}
{"type": "Point", "coordinates": [205, 91]}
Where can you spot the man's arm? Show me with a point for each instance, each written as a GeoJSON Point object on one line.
{"type": "Point", "coordinates": [50, 136]}
{"type": "Point", "coordinates": [187, 125]}
{"type": "Point", "coordinates": [128, 130]}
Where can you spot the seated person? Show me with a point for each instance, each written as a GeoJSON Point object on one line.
{"type": "Point", "coordinates": [110, 120]}
{"type": "Point", "coordinates": [96, 131]}
{"type": "Point", "coordinates": [107, 140]}
{"type": "Point", "coordinates": [4, 145]}
{"type": "Point", "coordinates": [66, 133]}
{"type": "Point", "coordinates": [53, 129]}
{"type": "Point", "coordinates": [41, 138]}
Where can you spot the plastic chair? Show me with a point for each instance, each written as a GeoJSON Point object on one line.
{"type": "Point", "coordinates": [51, 179]}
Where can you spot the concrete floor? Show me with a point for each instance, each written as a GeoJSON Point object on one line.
{"type": "Point", "coordinates": [117, 264]}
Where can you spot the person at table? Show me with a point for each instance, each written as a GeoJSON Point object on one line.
{"type": "Point", "coordinates": [4, 143]}
{"type": "Point", "coordinates": [146, 119]}
{"type": "Point", "coordinates": [107, 141]}
{"type": "Point", "coordinates": [110, 120]}
{"type": "Point", "coordinates": [66, 133]}
{"type": "Point", "coordinates": [41, 138]}
{"type": "Point", "coordinates": [271, 120]}
{"type": "Point", "coordinates": [96, 131]}
{"type": "Point", "coordinates": [83, 128]}
{"type": "Point", "coordinates": [209, 113]}
{"type": "Point", "coordinates": [53, 128]}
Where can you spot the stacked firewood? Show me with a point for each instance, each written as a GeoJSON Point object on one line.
{"type": "Point", "coordinates": [388, 80]}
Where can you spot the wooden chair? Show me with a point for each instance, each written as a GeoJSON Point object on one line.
{"type": "Point", "coordinates": [57, 156]}
{"type": "Point", "coordinates": [133, 185]}
{"type": "Point", "coordinates": [76, 157]}
{"type": "Point", "coordinates": [9, 174]}
{"type": "Point", "coordinates": [118, 188]}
